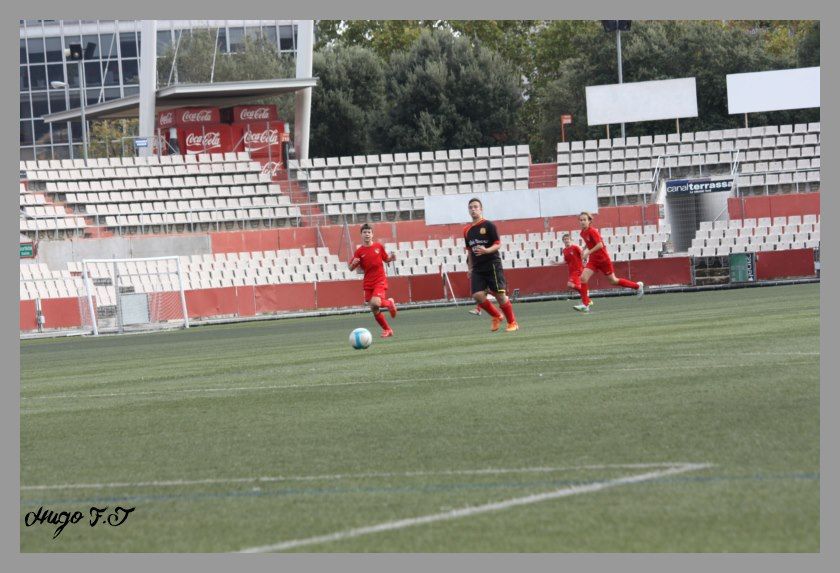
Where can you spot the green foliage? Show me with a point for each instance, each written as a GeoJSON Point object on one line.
{"type": "Point", "coordinates": [105, 138]}
{"type": "Point", "coordinates": [348, 103]}
{"type": "Point", "coordinates": [445, 92]}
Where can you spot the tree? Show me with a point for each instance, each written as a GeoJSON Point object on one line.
{"type": "Point", "coordinates": [106, 138]}
{"type": "Point", "coordinates": [446, 93]}
{"type": "Point", "coordinates": [384, 37]}
{"type": "Point", "coordinates": [348, 103]}
{"type": "Point", "coordinates": [808, 47]}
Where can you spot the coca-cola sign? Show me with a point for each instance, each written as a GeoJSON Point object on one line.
{"type": "Point", "coordinates": [197, 142]}
{"type": "Point", "coordinates": [166, 119]}
{"type": "Point", "coordinates": [259, 139]}
{"type": "Point", "coordinates": [251, 113]}
{"type": "Point", "coordinates": [196, 116]}
{"type": "Point", "coordinates": [254, 114]}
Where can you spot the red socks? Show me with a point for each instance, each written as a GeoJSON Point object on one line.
{"type": "Point", "coordinates": [628, 284]}
{"type": "Point", "coordinates": [380, 318]}
{"type": "Point", "coordinates": [386, 304]}
{"type": "Point", "coordinates": [507, 308]}
{"type": "Point", "coordinates": [491, 310]}
{"type": "Point", "coordinates": [584, 294]}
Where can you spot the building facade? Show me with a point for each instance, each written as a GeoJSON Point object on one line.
{"type": "Point", "coordinates": [111, 73]}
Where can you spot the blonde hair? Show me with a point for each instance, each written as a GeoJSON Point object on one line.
{"type": "Point", "coordinates": [588, 215]}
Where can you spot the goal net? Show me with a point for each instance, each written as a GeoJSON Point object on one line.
{"type": "Point", "coordinates": [130, 295]}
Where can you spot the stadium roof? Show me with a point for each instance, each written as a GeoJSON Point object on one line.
{"type": "Point", "coordinates": [219, 94]}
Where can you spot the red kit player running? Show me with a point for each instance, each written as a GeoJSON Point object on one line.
{"type": "Point", "coordinates": [371, 257]}
{"type": "Point", "coordinates": [597, 259]}
{"type": "Point", "coordinates": [574, 259]}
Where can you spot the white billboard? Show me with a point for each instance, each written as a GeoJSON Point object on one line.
{"type": "Point", "coordinates": [507, 205]}
{"type": "Point", "coordinates": [641, 101]}
{"type": "Point", "coordinates": [772, 91]}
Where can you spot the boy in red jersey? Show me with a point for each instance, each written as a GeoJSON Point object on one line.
{"type": "Point", "coordinates": [574, 259]}
{"type": "Point", "coordinates": [371, 257]}
{"type": "Point", "coordinates": [485, 267]}
{"type": "Point", "coordinates": [597, 259]}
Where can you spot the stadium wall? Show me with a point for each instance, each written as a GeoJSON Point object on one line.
{"type": "Point", "coordinates": [249, 301]}
{"type": "Point", "coordinates": [774, 206]}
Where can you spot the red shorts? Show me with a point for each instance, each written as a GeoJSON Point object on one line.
{"type": "Point", "coordinates": [376, 290]}
{"type": "Point", "coordinates": [574, 278]}
{"type": "Point", "coordinates": [603, 265]}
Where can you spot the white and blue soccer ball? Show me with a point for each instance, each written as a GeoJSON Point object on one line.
{"type": "Point", "coordinates": [361, 338]}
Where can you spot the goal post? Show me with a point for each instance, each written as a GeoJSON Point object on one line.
{"type": "Point", "coordinates": [133, 295]}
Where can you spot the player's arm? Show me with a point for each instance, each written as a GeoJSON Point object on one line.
{"type": "Point", "coordinates": [388, 258]}
{"type": "Point", "coordinates": [355, 262]}
{"type": "Point", "coordinates": [598, 246]}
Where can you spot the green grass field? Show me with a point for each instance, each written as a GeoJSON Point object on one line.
{"type": "Point", "coordinates": [252, 435]}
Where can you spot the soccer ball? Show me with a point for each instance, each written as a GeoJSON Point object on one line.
{"type": "Point", "coordinates": [360, 338]}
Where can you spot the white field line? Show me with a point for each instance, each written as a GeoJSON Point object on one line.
{"type": "Point", "coordinates": [474, 510]}
{"type": "Point", "coordinates": [362, 382]}
{"type": "Point", "coordinates": [272, 479]}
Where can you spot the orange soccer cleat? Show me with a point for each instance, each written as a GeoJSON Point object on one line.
{"type": "Point", "coordinates": [512, 327]}
{"type": "Point", "coordinates": [392, 310]}
{"type": "Point", "coordinates": [496, 322]}
{"type": "Point", "coordinates": [387, 333]}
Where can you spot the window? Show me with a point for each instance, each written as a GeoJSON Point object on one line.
{"type": "Point", "coordinates": [26, 133]}
{"type": "Point", "coordinates": [36, 50]}
{"type": "Point", "coordinates": [111, 73]}
{"type": "Point", "coordinates": [131, 73]}
{"type": "Point", "coordinates": [24, 79]}
{"type": "Point", "coordinates": [76, 132]}
{"type": "Point", "coordinates": [164, 40]}
{"type": "Point", "coordinates": [93, 76]}
{"type": "Point", "coordinates": [55, 73]}
{"type": "Point", "coordinates": [222, 41]}
{"type": "Point", "coordinates": [60, 151]}
{"type": "Point", "coordinates": [270, 34]}
{"type": "Point", "coordinates": [25, 109]}
{"type": "Point", "coordinates": [91, 39]}
{"type": "Point", "coordinates": [27, 154]}
{"type": "Point", "coordinates": [128, 44]}
{"type": "Point", "coordinates": [108, 45]}
{"type": "Point", "coordinates": [92, 96]}
{"type": "Point", "coordinates": [237, 36]}
{"type": "Point", "coordinates": [73, 74]}
{"type": "Point", "coordinates": [39, 104]}
{"type": "Point", "coordinates": [131, 90]}
{"type": "Point", "coordinates": [54, 49]}
{"type": "Point", "coordinates": [23, 51]}
{"type": "Point", "coordinates": [38, 77]}
{"type": "Point", "coordinates": [286, 40]}
{"type": "Point", "coordinates": [58, 101]}
{"type": "Point", "coordinates": [59, 133]}
{"type": "Point", "coordinates": [42, 133]}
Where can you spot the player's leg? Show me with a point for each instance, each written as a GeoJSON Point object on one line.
{"type": "Point", "coordinates": [584, 290]}
{"type": "Point", "coordinates": [375, 303]}
{"type": "Point", "coordinates": [479, 285]}
{"type": "Point", "coordinates": [623, 282]}
{"type": "Point", "coordinates": [499, 289]}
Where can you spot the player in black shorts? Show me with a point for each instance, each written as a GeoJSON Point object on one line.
{"type": "Point", "coordinates": [485, 267]}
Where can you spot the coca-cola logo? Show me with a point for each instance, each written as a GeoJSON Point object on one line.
{"type": "Point", "coordinates": [196, 116]}
{"type": "Point", "coordinates": [206, 141]}
{"type": "Point", "coordinates": [266, 137]}
{"type": "Point", "coordinates": [249, 114]}
{"type": "Point", "coordinates": [166, 118]}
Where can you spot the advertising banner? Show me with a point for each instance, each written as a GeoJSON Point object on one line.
{"type": "Point", "coordinates": [697, 186]}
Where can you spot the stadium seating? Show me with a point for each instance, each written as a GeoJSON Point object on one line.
{"type": "Point", "coordinates": [721, 238]}
{"type": "Point", "coordinates": [769, 158]}
{"type": "Point", "coordinates": [170, 193]}
{"type": "Point", "coordinates": [40, 217]}
{"type": "Point", "coordinates": [372, 187]}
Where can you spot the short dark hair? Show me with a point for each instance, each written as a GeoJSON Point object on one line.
{"type": "Point", "coordinates": [475, 200]}
{"type": "Point", "coordinates": [365, 227]}
{"type": "Point", "coordinates": [566, 235]}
